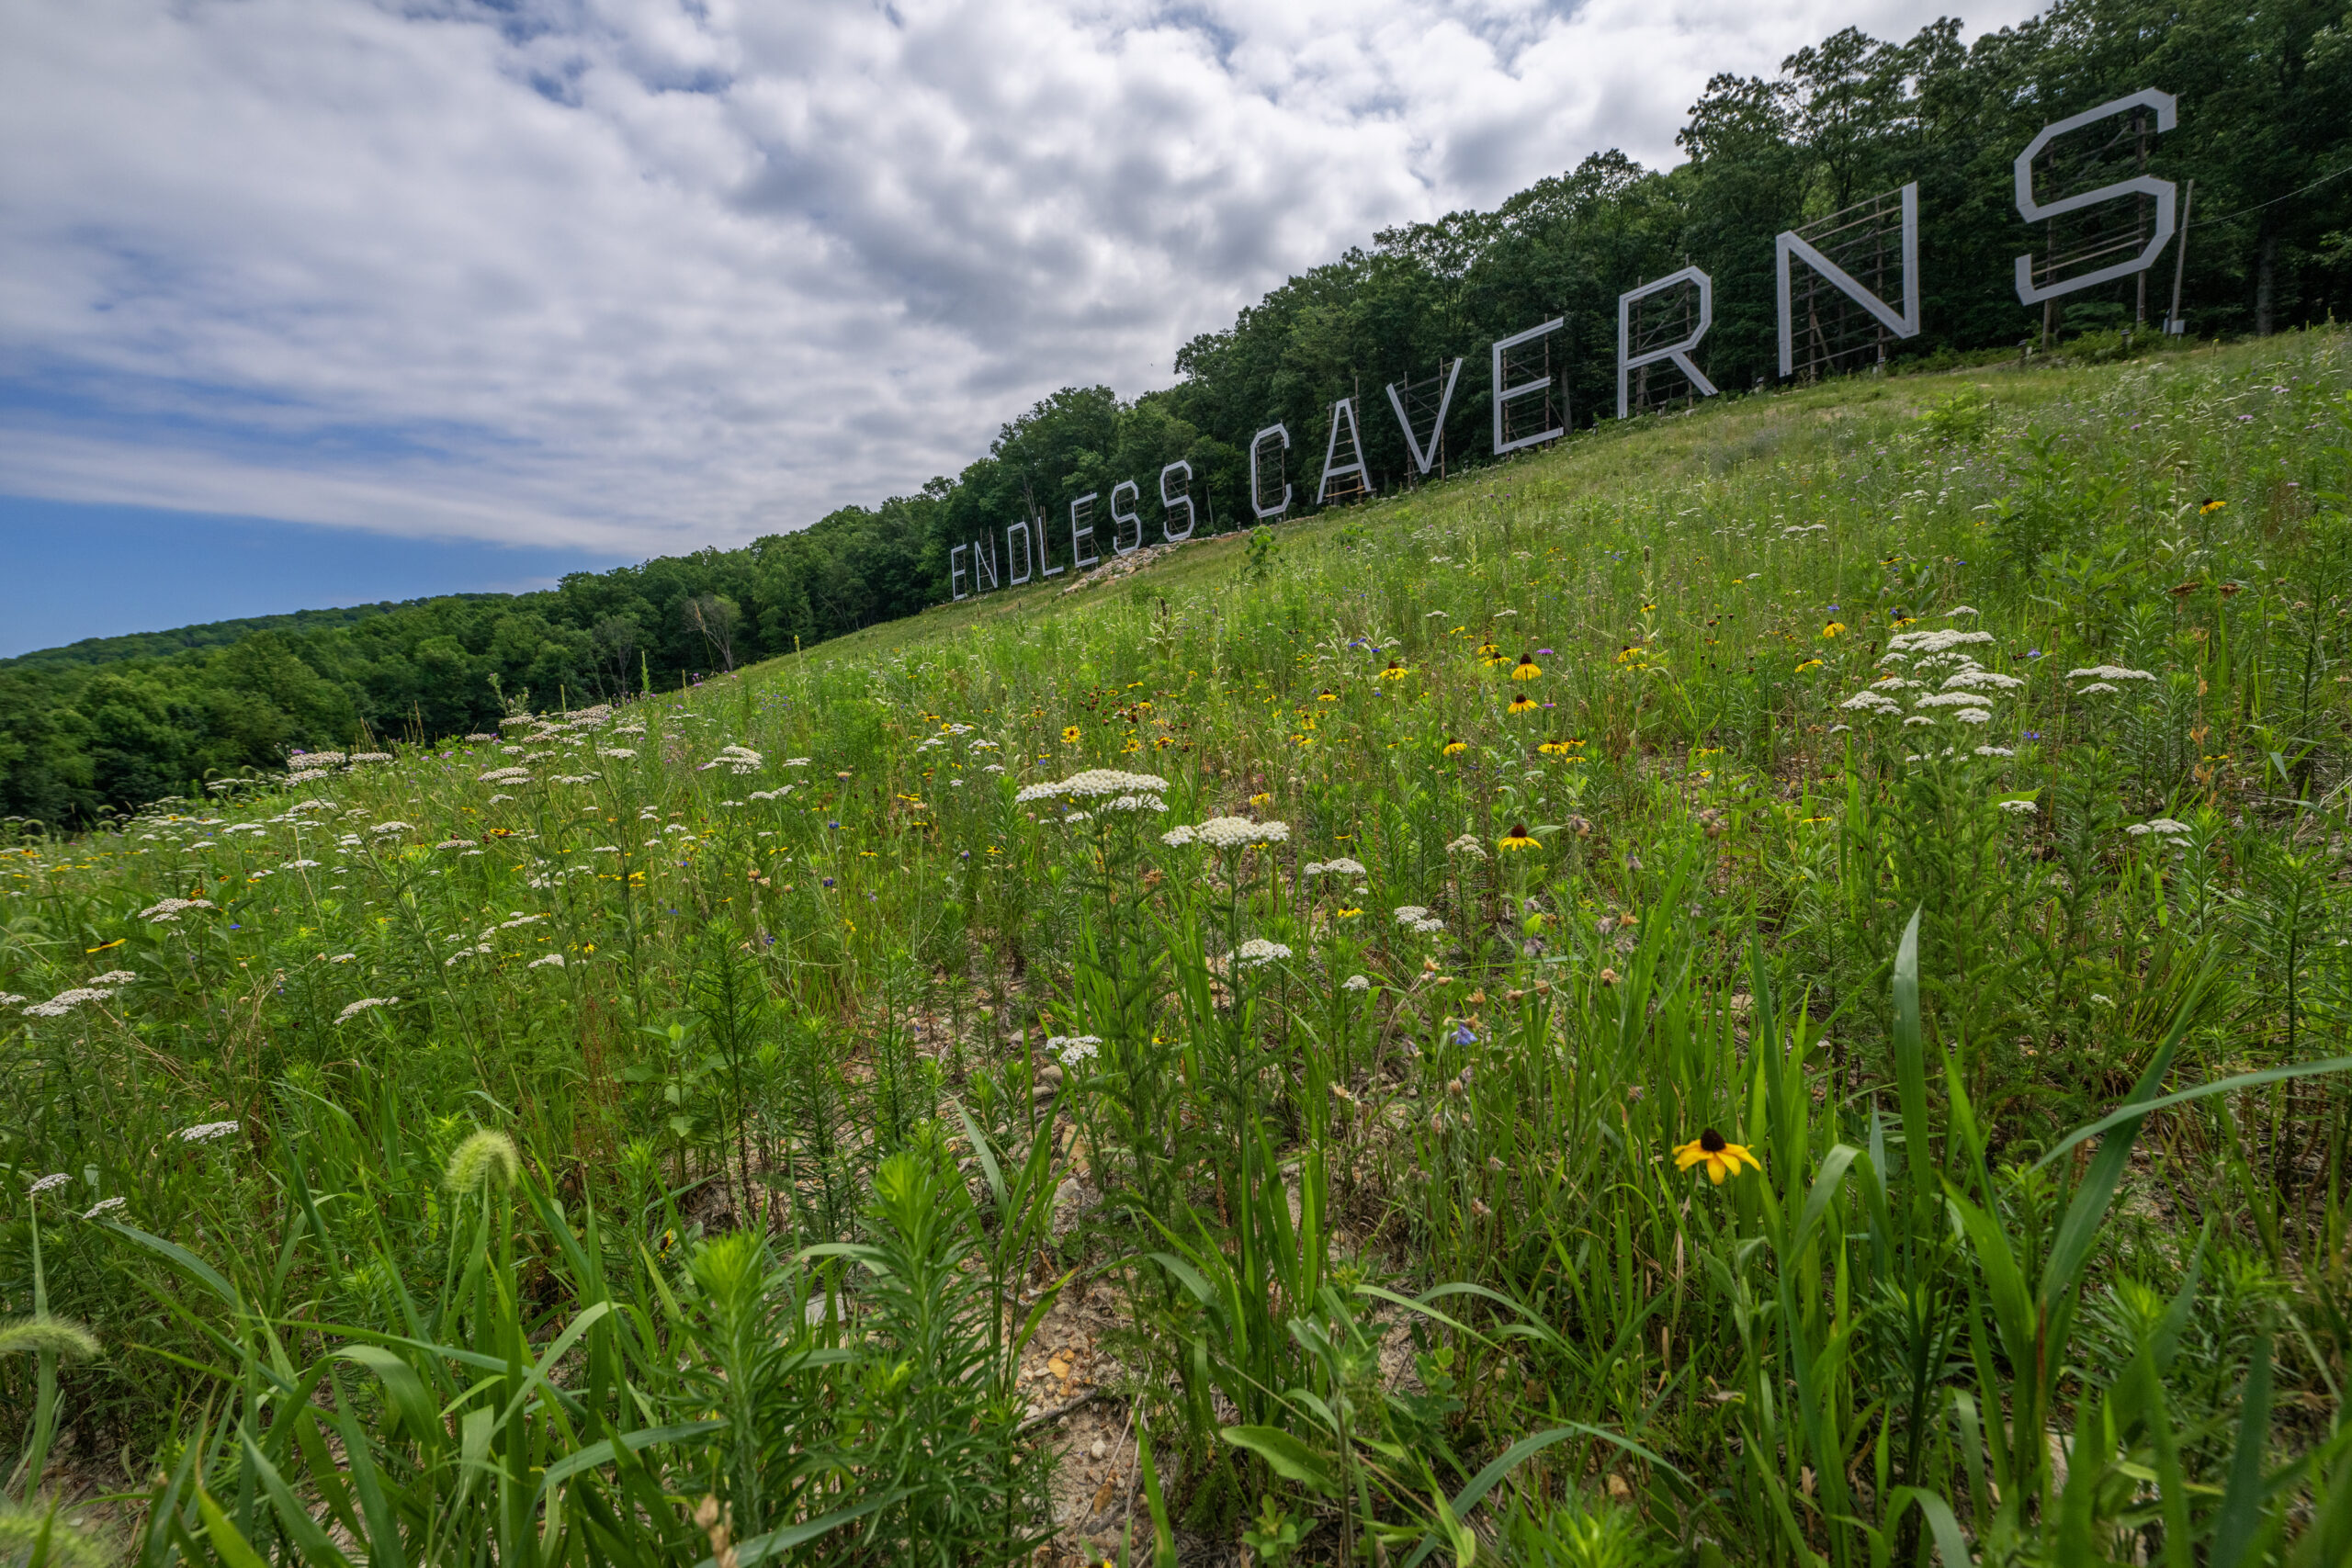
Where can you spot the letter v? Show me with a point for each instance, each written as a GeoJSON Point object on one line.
{"type": "Point", "coordinates": [1422, 459]}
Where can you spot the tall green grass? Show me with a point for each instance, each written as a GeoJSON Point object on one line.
{"type": "Point", "coordinates": [667, 1151]}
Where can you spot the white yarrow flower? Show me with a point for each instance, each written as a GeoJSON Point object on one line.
{"type": "Point", "coordinates": [1258, 950]}
{"type": "Point", "coordinates": [1072, 1049]}
{"type": "Point", "coordinates": [205, 1132]}
{"type": "Point", "coordinates": [1095, 784]}
{"type": "Point", "coordinates": [1355, 983]}
{"type": "Point", "coordinates": [362, 1005]}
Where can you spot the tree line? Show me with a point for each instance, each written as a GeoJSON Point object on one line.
{"type": "Point", "coordinates": [2265, 98]}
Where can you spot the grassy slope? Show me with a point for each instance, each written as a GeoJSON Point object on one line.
{"type": "Point", "coordinates": [1630, 460]}
{"type": "Point", "coordinates": [1721, 843]}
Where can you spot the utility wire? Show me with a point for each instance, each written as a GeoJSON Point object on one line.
{"type": "Point", "coordinates": [2275, 200]}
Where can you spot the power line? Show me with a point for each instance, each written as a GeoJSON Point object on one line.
{"type": "Point", "coordinates": [2275, 200]}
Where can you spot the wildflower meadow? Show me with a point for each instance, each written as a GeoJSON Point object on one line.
{"type": "Point", "coordinates": [1768, 985]}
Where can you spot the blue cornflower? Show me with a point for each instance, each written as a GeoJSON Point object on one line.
{"type": "Point", "coordinates": [1463, 1035]}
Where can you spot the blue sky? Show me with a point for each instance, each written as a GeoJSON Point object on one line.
{"type": "Point", "coordinates": [457, 293]}
{"type": "Point", "coordinates": [77, 571]}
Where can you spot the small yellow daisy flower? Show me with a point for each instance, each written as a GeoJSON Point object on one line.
{"type": "Point", "coordinates": [1526, 669]}
{"type": "Point", "coordinates": [1069, 735]}
{"type": "Point", "coordinates": [1808, 664]}
{"type": "Point", "coordinates": [1261, 799]}
{"type": "Point", "coordinates": [1454, 748]}
{"type": "Point", "coordinates": [1518, 838]}
{"type": "Point", "coordinates": [1348, 913]}
{"type": "Point", "coordinates": [1721, 1158]}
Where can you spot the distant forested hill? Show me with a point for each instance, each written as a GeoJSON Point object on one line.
{"type": "Point", "coordinates": [209, 634]}
{"type": "Point", "coordinates": [2265, 98]}
{"type": "Point", "coordinates": [118, 721]}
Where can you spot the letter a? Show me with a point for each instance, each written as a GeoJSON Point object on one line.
{"type": "Point", "coordinates": [1345, 409]}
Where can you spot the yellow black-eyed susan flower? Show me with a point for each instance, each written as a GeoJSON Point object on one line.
{"type": "Point", "coordinates": [1556, 748]}
{"type": "Point", "coordinates": [2211, 506]}
{"type": "Point", "coordinates": [1808, 664]}
{"type": "Point", "coordinates": [1517, 839]}
{"type": "Point", "coordinates": [1489, 655]}
{"type": "Point", "coordinates": [1348, 912]}
{"type": "Point", "coordinates": [1526, 669]}
{"type": "Point", "coordinates": [1523, 704]}
{"type": "Point", "coordinates": [1326, 696]}
{"type": "Point", "coordinates": [1454, 748]}
{"type": "Point", "coordinates": [1261, 799]}
{"type": "Point", "coordinates": [1069, 735]}
{"type": "Point", "coordinates": [1720, 1158]}
{"type": "Point", "coordinates": [1835, 629]}
{"type": "Point", "coordinates": [1395, 672]}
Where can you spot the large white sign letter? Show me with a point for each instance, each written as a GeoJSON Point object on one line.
{"type": "Point", "coordinates": [1028, 553]}
{"type": "Point", "coordinates": [1081, 527]}
{"type": "Point", "coordinates": [1629, 362]}
{"type": "Point", "coordinates": [1171, 502]}
{"type": "Point", "coordinates": [956, 572]}
{"type": "Point", "coordinates": [1257, 444]}
{"type": "Point", "coordinates": [1423, 457]}
{"type": "Point", "coordinates": [1525, 388]}
{"type": "Point", "coordinates": [1344, 409]}
{"type": "Point", "coordinates": [1786, 244]}
{"type": "Point", "coordinates": [2033, 211]}
{"type": "Point", "coordinates": [1119, 519]}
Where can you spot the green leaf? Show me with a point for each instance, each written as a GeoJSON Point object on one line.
{"type": "Point", "coordinates": [1911, 1064]}
{"type": "Point", "coordinates": [760, 1547]}
{"type": "Point", "coordinates": [2237, 1528]}
{"type": "Point", "coordinates": [981, 1152]}
{"type": "Point", "coordinates": [1290, 1459]}
{"type": "Point", "coordinates": [221, 1535]}
{"type": "Point", "coordinates": [1824, 1189]}
{"type": "Point", "coordinates": [308, 1537]}
{"type": "Point", "coordinates": [2133, 1112]}
{"type": "Point", "coordinates": [2012, 1304]}
{"type": "Point", "coordinates": [1470, 1496]}
{"type": "Point", "coordinates": [2070, 1249]}
{"type": "Point", "coordinates": [597, 1455]}
{"type": "Point", "coordinates": [1951, 1545]}
{"type": "Point", "coordinates": [184, 1259]}
{"type": "Point", "coordinates": [401, 1386]}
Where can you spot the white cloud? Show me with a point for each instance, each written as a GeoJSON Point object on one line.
{"type": "Point", "coordinates": [644, 275]}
